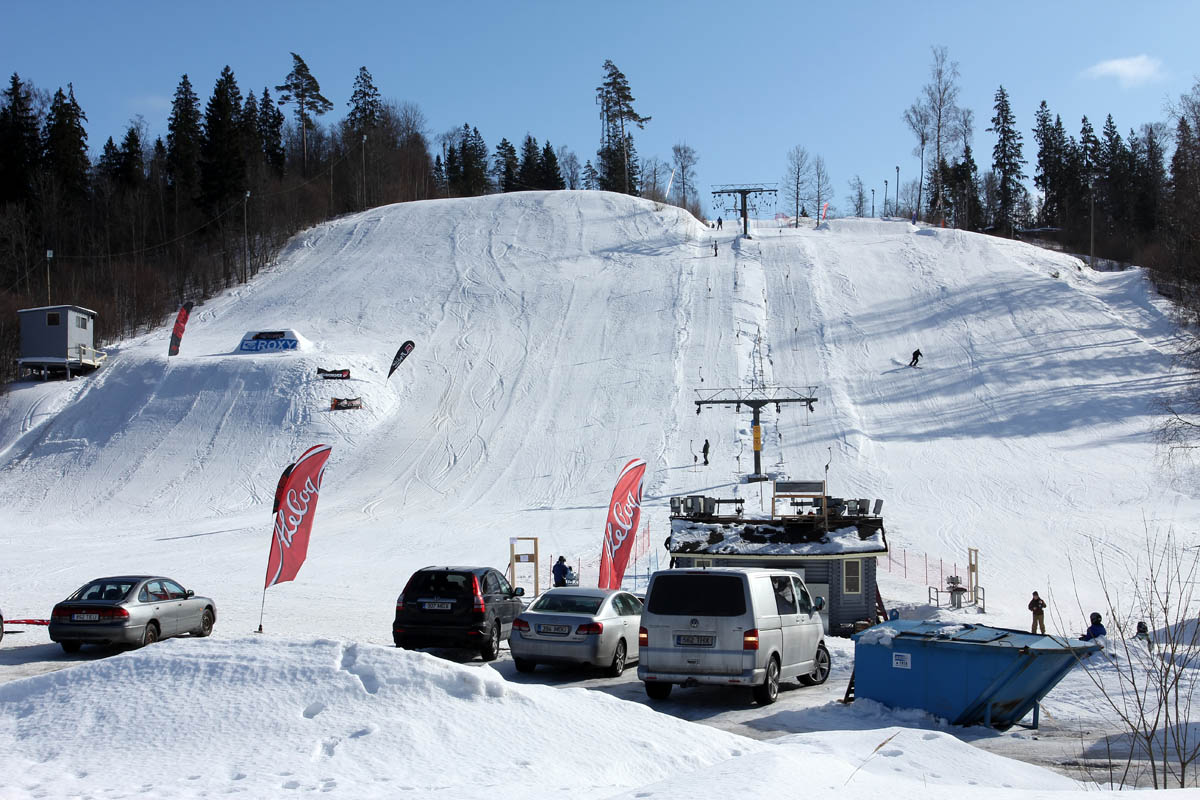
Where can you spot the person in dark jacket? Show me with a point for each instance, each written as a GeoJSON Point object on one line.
{"type": "Point", "coordinates": [1095, 630]}
{"type": "Point", "coordinates": [704, 450]}
{"type": "Point", "coordinates": [916, 357]}
{"type": "Point", "coordinates": [560, 571]}
{"type": "Point", "coordinates": [1038, 606]}
{"type": "Point", "coordinates": [718, 223]}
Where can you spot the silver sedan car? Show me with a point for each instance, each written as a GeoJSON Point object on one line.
{"type": "Point", "coordinates": [130, 610]}
{"type": "Point", "coordinates": [570, 625]}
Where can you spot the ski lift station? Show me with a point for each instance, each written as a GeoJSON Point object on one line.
{"type": "Point", "coordinates": [58, 340]}
{"type": "Point", "coordinates": [832, 542]}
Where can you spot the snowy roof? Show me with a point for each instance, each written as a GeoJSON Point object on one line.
{"type": "Point", "coordinates": [57, 308]}
{"type": "Point", "coordinates": [775, 538]}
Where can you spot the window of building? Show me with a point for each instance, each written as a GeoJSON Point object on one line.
{"type": "Point", "coordinates": [852, 576]}
{"type": "Point", "coordinates": [81, 322]}
{"type": "Point", "coordinates": [52, 318]}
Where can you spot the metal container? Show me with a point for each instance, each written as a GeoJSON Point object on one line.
{"type": "Point", "coordinates": [968, 674]}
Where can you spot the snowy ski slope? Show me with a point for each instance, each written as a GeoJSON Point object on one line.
{"type": "Point", "coordinates": [559, 335]}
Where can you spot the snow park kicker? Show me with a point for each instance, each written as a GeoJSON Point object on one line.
{"type": "Point", "coordinates": [563, 334]}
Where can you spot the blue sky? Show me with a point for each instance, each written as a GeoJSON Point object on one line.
{"type": "Point", "coordinates": [741, 82]}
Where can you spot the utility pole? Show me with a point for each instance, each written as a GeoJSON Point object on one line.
{"type": "Point", "coordinates": [896, 210]}
{"type": "Point", "coordinates": [49, 255]}
{"type": "Point", "coordinates": [744, 190]}
{"type": "Point", "coordinates": [1091, 217]}
{"type": "Point", "coordinates": [245, 240]}
{"type": "Point", "coordinates": [364, 171]}
{"type": "Point", "coordinates": [755, 398]}
{"type": "Point", "coordinates": [872, 202]}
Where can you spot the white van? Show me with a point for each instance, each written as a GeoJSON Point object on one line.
{"type": "Point", "coordinates": [732, 627]}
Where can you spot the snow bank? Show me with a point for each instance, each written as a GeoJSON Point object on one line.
{"type": "Point", "coordinates": [191, 718]}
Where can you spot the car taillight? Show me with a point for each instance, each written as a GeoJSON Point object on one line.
{"type": "Point", "coordinates": [478, 604]}
{"type": "Point", "coordinates": [520, 624]}
{"type": "Point", "coordinates": [750, 639]}
{"type": "Point", "coordinates": [59, 614]}
{"type": "Point", "coordinates": [643, 637]}
{"type": "Point", "coordinates": [117, 614]}
{"type": "Point", "coordinates": [399, 604]}
{"type": "Point", "coordinates": [590, 627]}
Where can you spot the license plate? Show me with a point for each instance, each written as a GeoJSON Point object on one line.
{"type": "Point", "coordinates": [85, 617]}
{"type": "Point", "coordinates": [695, 640]}
{"type": "Point", "coordinates": [558, 630]}
{"type": "Point", "coordinates": [436, 606]}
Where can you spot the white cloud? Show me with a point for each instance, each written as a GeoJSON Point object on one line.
{"type": "Point", "coordinates": [1129, 72]}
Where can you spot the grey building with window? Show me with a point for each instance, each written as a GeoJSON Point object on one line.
{"type": "Point", "coordinates": [833, 544]}
{"type": "Point", "coordinates": [57, 340]}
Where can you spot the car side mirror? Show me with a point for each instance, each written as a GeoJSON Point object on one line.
{"type": "Point", "coordinates": [819, 604]}
{"type": "Point", "coordinates": [189, 593]}
{"type": "Point", "coordinates": [518, 592]}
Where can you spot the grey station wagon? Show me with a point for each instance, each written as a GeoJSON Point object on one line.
{"type": "Point", "coordinates": [130, 610]}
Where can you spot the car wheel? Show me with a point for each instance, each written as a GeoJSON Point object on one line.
{"type": "Point", "coordinates": [491, 648]}
{"type": "Point", "coordinates": [70, 647]}
{"type": "Point", "coordinates": [151, 634]}
{"type": "Point", "coordinates": [820, 668]}
{"type": "Point", "coordinates": [206, 624]}
{"type": "Point", "coordinates": [618, 663]}
{"type": "Point", "coordinates": [658, 691]}
{"type": "Point", "coordinates": [769, 691]}
{"type": "Point", "coordinates": [524, 665]}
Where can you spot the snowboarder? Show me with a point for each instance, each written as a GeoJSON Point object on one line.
{"type": "Point", "coordinates": [560, 571]}
{"type": "Point", "coordinates": [1095, 630]}
{"type": "Point", "coordinates": [1038, 606]}
{"type": "Point", "coordinates": [718, 223]}
{"type": "Point", "coordinates": [704, 450]}
{"type": "Point", "coordinates": [916, 357]}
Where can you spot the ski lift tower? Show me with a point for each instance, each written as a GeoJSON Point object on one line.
{"type": "Point", "coordinates": [754, 399]}
{"type": "Point", "coordinates": [744, 190]}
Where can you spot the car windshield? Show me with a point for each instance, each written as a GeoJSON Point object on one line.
{"type": "Point", "coordinates": [439, 582]}
{"type": "Point", "coordinates": [567, 604]}
{"type": "Point", "coordinates": [104, 590]}
{"type": "Point", "coordinates": [697, 595]}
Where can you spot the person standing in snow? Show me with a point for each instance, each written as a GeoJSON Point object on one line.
{"type": "Point", "coordinates": [718, 223]}
{"type": "Point", "coordinates": [1095, 630]}
{"type": "Point", "coordinates": [704, 450]}
{"type": "Point", "coordinates": [560, 571]}
{"type": "Point", "coordinates": [1038, 606]}
{"type": "Point", "coordinates": [714, 249]}
{"type": "Point", "coordinates": [916, 357]}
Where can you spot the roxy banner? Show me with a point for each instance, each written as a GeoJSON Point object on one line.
{"type": "Point", "coordinates": [295, 506]}
{"type": "Point", "coordinates": [623, 514]}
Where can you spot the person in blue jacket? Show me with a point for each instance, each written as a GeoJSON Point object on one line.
{"type": "Point", "coordinates": [560, 571]}
{"type": "Point", "coordinates": [1095, 630]}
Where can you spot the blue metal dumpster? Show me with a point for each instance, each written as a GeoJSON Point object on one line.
{"type": "Point", "coordinates": [968, 674]}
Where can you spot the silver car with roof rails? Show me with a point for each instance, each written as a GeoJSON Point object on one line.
{"type": "Point", "coordinates": [748, 627]}
{"type": "Point", "coordinates": [130, 610]}
{"type": "Point", "coordinates": [572, 625]}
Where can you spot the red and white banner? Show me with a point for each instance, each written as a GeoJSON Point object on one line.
{"type": "Point", "coordinates": [623, 514]}
{"type": "Point", "coordinates": [824, 211]}
{"type": "Point", "coordinates": [295, 507]}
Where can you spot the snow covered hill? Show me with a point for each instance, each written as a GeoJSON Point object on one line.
{"type": "Point", "coordinates": [559, 335]}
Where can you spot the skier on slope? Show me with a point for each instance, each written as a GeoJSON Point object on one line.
{"type": "Point", "coordinates": [916, 357]}
{"type": "Point", "coordinates": [704, 450]}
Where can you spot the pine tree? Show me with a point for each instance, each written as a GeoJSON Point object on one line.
{"type": "Point", "coordinates": [591, 180]}
{"type": "Point", "coordinates": [529, 172]}
{"type": "Point", "coordinates": [1006, 161]}
{"type": "Point", "coordinates": [222, 166]}
{"type": "Point", "coordinates": [439, 175]}
{"type": "Point", "coordinates": [1183, 193]}
{"type": "Point", "coordinates": [183, 143]}
{"type": "Point", "coordinates": [504, 166]}
{"type": "Point", "coordinates": [303, 89]}
{"type": "Point", "coordinates": [250, 131]}
{"type": "Point", "coordinates": [64, 145]}
{"type": "Point", "coordinates": [473, 153]}
{"type": "Point", "coordinates": [618, 166]}
{"type": "Point", "coordinates": [108, 166]}
{"type": "Point", "coordinates": [366, 109]}
{"type": "Point", "coordinates": [270, 133]}
{"type": "Point", "coordinates": [20, 148]}
{"type": "Point", "coordinates": [550, 176]}
{"type": "Point", "coordinates": [132, 168]}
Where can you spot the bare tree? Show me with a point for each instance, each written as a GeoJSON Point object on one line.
{"type": "Point", "coordinates": [1147, 678]}
{"type": "Point", "coordinates": [822, 186]}
{"type": "Point", "coordinates": [654, 177]}
{"type": "Point", "coordinates": [858, 197]}
{"type": "Point", "coordinates": [796, 181]}
{"type": "Point", "coordinates": [917, 119]}
{"type": "Point", "coordinates": [568, 165]}
{"type": "Point", "coordinates": [683, 160]}
{"type": "Point", "coordinates": [941, 100]}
